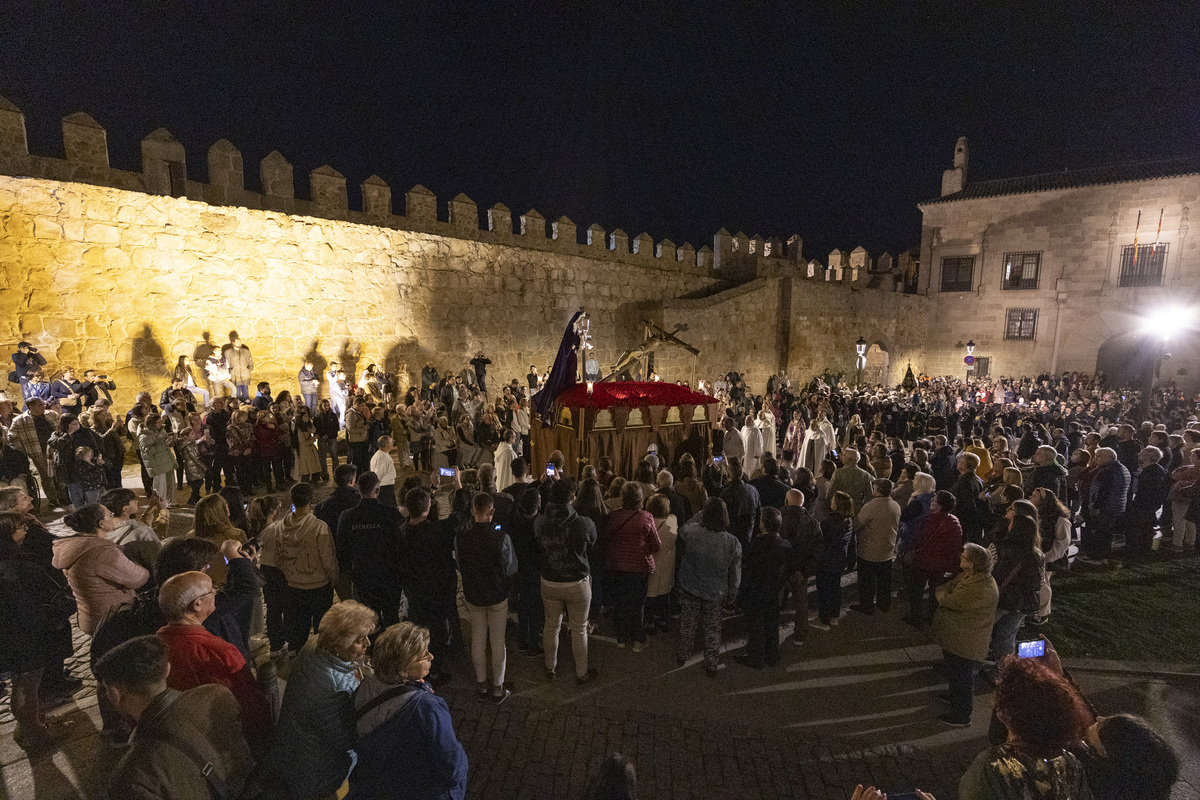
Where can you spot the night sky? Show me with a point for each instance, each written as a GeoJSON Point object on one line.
{"type": "Point", "coordinates": [831, 120]}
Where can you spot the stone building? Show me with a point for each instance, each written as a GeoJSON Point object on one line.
{"type": "Point", "coordinates": [1064, 271]}
{"type": "Point", "coordinates": [127, 270]}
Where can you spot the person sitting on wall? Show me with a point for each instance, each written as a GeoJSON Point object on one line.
{"type": "Point", "coordinates": [309, 385]}
{"type": "Point", "coordinates": [93, 384]}
{"type": "Point", "coordinates": [27, 360]}
{"type": "Point", "coordinates": [216, 369]}
{"type": "Point", "coordinates": [66, 390]}
{"type": "Point", "coordinates": [241, 364]}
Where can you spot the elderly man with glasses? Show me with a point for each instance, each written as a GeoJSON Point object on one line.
{"type": "Point", "coordinates": [197, 657]}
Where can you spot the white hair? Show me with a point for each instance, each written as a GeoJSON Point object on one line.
{"type": "Point", "coordinates": [924, 483]}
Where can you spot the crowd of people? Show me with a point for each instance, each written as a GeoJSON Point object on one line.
{"type": "Point", "coordinates": [961, 500]}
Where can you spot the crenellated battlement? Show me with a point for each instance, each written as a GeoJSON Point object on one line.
{"type": "Point", "coordinates": [732, 257]}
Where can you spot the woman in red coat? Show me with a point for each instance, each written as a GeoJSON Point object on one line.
{"type": "Point", "coordinates": [934, 553]}
{"type": "Point", "coordinates": [630, 542]}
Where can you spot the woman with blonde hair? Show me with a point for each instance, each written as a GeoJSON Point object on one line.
{"type": "Point", "coordinates": [312, 753]}
{"type": "Point", "coordinates": [406, 745]}
{"type": "Point", "coordinates": [212, 524]}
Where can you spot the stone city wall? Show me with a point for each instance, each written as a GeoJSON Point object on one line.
{"type": "Point", "coordinates": [815, 329]}
{"type": "Point", "coordinates": [125, 271]}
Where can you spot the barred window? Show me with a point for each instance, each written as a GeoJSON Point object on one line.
{"type": "Point", "coordinates": [982, 367]}
{"type": "Point", "coordinates": [958, 273]}
{"type": "Point", "coordinates": [1020, 324]}
{"type": "Point", "coordinates": [1021, 270]}
{"type": "Point", "coordinates": [1144, 267]}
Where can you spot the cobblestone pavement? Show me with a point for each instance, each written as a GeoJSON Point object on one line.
{"type": "Point", "coordinates": [855, 704]}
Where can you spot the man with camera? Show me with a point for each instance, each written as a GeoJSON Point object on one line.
{"type": "Point", "coordinates": [27, 361]}
{"type": "Point", "coordinates": [93, 384]}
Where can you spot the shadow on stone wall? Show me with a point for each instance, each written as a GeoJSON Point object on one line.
{"type": "Point", "coordinates": [148, 358]}
{"type": "Point", "coordinates": [404, 359]}
{"type": "Point", "coordinates": [313, 356]}
{"type": "Point", "coordinates": [348, 356]}
{"type": "Point", "coordinates": [204, 349]}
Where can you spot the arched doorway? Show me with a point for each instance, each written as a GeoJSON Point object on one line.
{"type": "Point", "coordinates": [878, 366]}
{"type": "Point", "coordinates": [1127, 359]}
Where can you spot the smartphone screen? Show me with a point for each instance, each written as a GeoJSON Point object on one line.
{"type": "Point", "coordinates": [446, 472]}
{"type": "Point", "coordinates": [550, 470]}
{"type": "Point", "coordinates": [497, 527]}
{"type": "Point", "coordinates": [718, 459]}
{"type": "Point", "coordinates": [1032, 649]}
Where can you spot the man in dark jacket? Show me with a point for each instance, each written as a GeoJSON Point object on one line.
{"type": "Point", "coordinates": [941, 463]}
{"type": "Point", "coordinates": [93, 384]}
{"type": "Point", "coordinates": [680, 506]}
{"type": "Point", "coordinates": [1106, 504]}
{"type": "Point", "coordinates": [565, 538]}
{"type": "Point", "coordinates": [528, 580]}
{"type": "Point", "coordinates": [217, 423]}
{"type": "Point", "coordinates": [771, 490]}
{"type": "Point", "coordinates": [803, 533]}
{"type": "Point", "coordinates": [369, 533]}
{"type": "Point", "coordinates": [1029, 442]}
{"type": "Point", "coordinates": [970, 510]}
{"type": "Point", "coordinates": [262, 400]}
{"type": "Point", "coordinates": [1128, 448]}
{"type": "Point", "coordinates": [427, 569]}
{"type": "Point", "coordinates": [764, 567]}
{"type": "Point", "coordinates": [480, 363]}
{"type": "Point", "coordinates": [486, 562]}
{"type": "Point", "coordinates": [310, 385]}
{"type": "Point", "coordinates": [329, 511]}
{"type": "Point", "coordinates": [1141, 514]}
{"type": "Point", "coordinates": [1047, 473]}
{"type": "Point", "coordinates": [742, 501]}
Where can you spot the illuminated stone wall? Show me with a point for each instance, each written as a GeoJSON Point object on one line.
{"type": "Point", "coordinates": [126, 282]}
{"type": "Point", "coordinates": [786, 322]}
{"type": "Point", "coordinates": [125, 271]}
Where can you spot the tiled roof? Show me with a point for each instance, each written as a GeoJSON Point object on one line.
{"type": "Point", "coordinates": [1071, 179]}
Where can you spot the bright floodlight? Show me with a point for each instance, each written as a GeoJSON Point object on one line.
{"type": "Point", "coordinates": [1166, 320]}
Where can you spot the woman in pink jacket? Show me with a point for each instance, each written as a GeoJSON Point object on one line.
{"type": "Point", "coordinates": [97, 569]}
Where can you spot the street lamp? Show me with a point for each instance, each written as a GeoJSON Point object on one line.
{"type": "Point", "coordinates": [861, 361]}
{"type": "Point", "coordinates": [970, 359]}
{"type": "Point", "coordinates": [1161, 323]}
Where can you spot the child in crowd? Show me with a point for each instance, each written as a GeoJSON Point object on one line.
{"type": "Point", "coordinates": [90, 474]}
{"type": "Point", "coordinates": [194, 466]}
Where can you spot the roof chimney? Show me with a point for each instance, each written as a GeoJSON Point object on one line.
{"type": "Point", "coordinates": [954, 180]}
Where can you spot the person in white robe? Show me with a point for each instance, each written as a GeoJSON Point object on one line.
{"type": "Point", "coordinates": [752, 439]}
{"type": "Point", "coordinates": [732, 444]}
{"type": "Point", "coordinates": [766, 425]}
{"type": "Point", "coordinates": [503, 461]}
{"type": "Point", "coordinates": [812, 448]}
{"type": "Point", "coordinates": [827, 430]}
